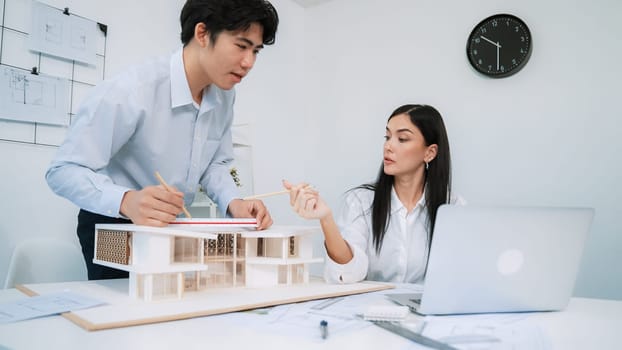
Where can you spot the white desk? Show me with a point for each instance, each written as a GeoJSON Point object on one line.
{"type": "Point", "coordinates": [585, 324]}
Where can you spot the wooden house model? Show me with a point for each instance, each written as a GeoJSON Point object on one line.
{"type": "Point", "coordinates": [195, 254]}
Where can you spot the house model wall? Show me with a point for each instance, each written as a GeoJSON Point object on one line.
{"type": "Point", "coordinates": [195, 254]}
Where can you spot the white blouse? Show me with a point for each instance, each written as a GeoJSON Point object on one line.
{"type": "Point", "coordinates": [404, 252]}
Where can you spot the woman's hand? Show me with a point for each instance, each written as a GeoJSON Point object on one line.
{"type": "Point", "coordinates": [306, 201]}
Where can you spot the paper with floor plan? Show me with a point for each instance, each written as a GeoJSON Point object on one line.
{"type": "Point", "coordinates": [33, 98]}
{"type": "Point", "coordinates": [44, 305]}
{"type": "Point", "coordinates": [487, 331]}
{"type": "Point", "coordinates": [465, 332]}
{"type": "Point", "coordinates": [63, 35]}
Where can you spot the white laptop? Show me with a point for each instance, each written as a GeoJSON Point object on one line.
{"type": "Point", "coordinates": [501, 259]}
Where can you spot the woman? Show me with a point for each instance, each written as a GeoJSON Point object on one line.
{"type": "Point", "coordinates": [385, 228]}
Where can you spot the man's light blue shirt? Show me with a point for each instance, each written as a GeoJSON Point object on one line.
{"type": "Point", "coordinates": [143, 121]}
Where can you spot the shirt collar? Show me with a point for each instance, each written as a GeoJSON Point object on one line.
{"type": "Point", "coordinates": [180, 90]}
{"type": "Point", "coordinates": [211, 98]}
{"type": "Point", "coordinates": [396, 204]}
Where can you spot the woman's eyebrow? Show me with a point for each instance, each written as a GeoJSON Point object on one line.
{"type": "Point", "coordinates": [400, 130]}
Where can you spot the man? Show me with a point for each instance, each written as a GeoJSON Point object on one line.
{"type": "Point", "coordinates": [172, 115]}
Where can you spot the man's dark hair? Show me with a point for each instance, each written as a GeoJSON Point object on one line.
{"type": "Point", "coordinates": [229, 15]}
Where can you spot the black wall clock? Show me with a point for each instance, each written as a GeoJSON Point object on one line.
{"type": "Point", "coordinates": [499, 46]}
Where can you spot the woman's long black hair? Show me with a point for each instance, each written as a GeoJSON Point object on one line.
{"type": "Point", "coordinates": [437, 180]}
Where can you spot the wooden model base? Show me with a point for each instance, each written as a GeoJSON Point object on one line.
{"type": "Point", "coordinates": [123, 311]}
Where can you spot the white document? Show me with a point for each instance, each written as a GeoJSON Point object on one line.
{"type": "Point", "coordinates": [487, 331]}
{"type": "Point", "coordinates": [33, 98]}
{"type": "Point", "coordinates": [44, 305]}
{"type": "Point", "coordinates": [58, 34]}
{"type": "Point", "coordinates": [342, 314]}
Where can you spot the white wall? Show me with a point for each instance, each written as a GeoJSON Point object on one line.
{"type": "Point", "coordinates": [272, 100]}
{"type": "Point", "coordinates": [546, 136]}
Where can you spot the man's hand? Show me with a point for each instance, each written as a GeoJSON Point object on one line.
{"type": "Point", "coordinates": [254, 208]}
{"type": "Point", "coordinates": [152, 206]}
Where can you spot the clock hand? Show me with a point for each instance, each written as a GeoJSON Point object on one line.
{"type": "Point", "coordinates": [498, 47]}
{"type": "Point", "coordinates": [490, 41]}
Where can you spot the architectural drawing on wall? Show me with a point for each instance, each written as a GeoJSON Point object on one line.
{"type": "Point", "coordinates": [63, 35]}
{"type": "Point", "coordinates": [33, 98]}
{"type": "Point", "coordinates": [40, 126]}
{"type": "Point", "coordinates": [196, 254]}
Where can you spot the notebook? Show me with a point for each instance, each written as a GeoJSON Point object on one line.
{"type": "Point", "coordinates": [501, 259]}
{"type": "Point", "coordinates": [385, 313]}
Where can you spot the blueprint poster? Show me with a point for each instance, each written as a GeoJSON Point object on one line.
{"type": "Point", "coordinates": [33, 98]}
{"type": "Point", "coordinates": [68, 36]}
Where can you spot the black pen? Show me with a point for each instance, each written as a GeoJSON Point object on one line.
{"type": "Point", "coordinates": [324, 329]}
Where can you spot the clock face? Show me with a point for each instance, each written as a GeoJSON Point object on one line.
{"type": "Point", "coordinates": [499, 46]}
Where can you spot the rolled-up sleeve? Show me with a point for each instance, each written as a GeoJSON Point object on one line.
{"type": "Point", "coordinates": [354, 224]}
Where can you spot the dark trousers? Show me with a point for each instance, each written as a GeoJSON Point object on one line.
{"type": "Point", "coordinates": [86, 234]}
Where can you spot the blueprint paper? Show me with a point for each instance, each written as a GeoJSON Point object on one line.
{"type": "Point", "coordinates": [71, 37]}
{"type": "Point", "coordinates": [44, 305]}
{"type": "Point", "coordinates": [33, 98]}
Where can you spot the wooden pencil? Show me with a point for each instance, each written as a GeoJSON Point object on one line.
{"type": "Point", "coordinates": [168, 188]}
{"type": "Point", "coordinates": [270, 194]}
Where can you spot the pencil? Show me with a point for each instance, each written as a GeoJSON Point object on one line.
{"type": "Point", "coordinates": [270, 194]}
{"type": "Point", "coordinates": [257, 196]}
{"type": "Point", "coordinates": [168, 188]}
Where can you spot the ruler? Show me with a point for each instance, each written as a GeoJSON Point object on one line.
{"type": "Point", "coordinates": [415, 337]}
